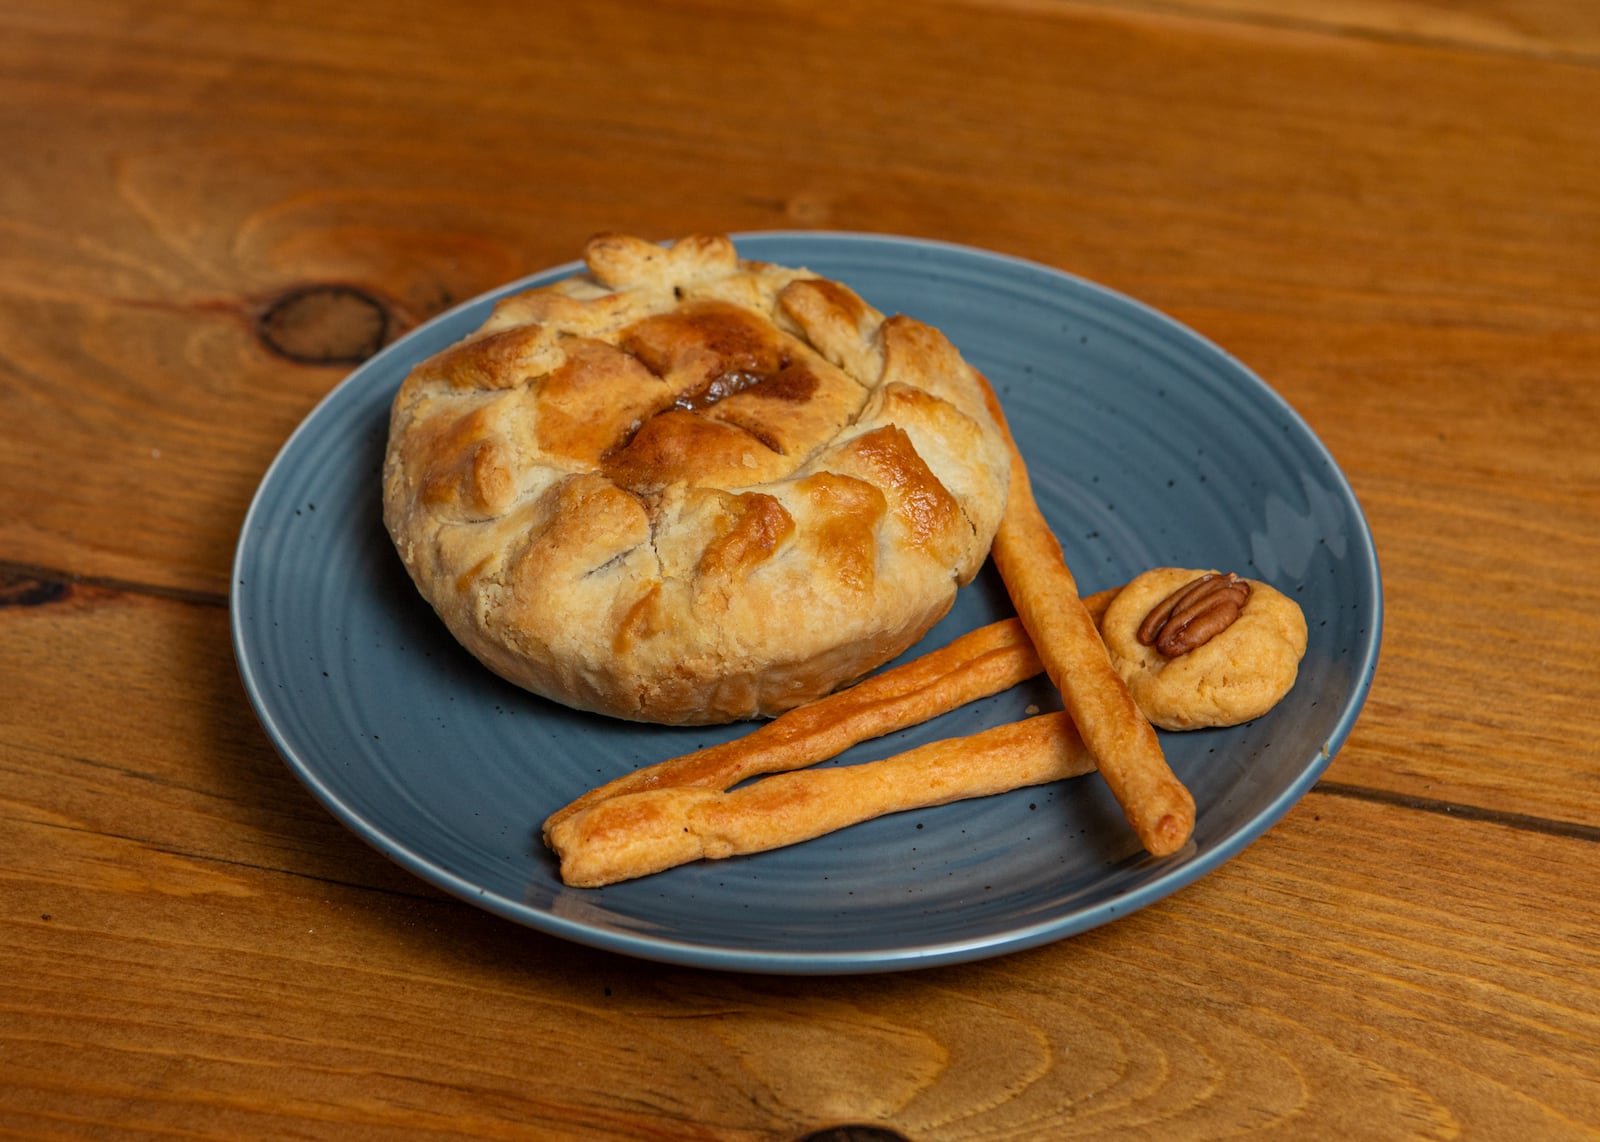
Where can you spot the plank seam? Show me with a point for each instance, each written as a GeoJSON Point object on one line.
{"type": "Point", "coordinates": [1383, 36]}
{"type": "Point", "coordinates": [234, 862]}
{"type": "Point", "coordinates": [1525, 822]}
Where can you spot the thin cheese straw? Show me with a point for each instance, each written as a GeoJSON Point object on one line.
{"type": "Point", "coordinates": [1120, 738]}
{"type": "Point", "coordinates": [635, 834]}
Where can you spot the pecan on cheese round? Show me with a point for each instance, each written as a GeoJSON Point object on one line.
{"type": "Point", "coordinates": [688, 488]}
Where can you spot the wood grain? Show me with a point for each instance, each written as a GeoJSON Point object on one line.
{"type": "Point", "coordinates": [162, 991]}
{"type": "Point", "coordinates": [1259, 210]}
{"type": "Point", "coordinates": [1389, 208]}
{"type": "Point", "coordinates": [123, 715]}
{"type": "Point", "coordinates": [219, 952]}
{"type": "Point", "coordinates": [1545, 28]}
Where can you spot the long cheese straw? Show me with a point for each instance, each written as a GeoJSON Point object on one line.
{"type": "Point", "coordinates": [1118, 736]}
{"type": "Point", "coordinates": [635, 834]}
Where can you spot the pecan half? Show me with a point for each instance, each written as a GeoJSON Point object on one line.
{"type": "Point", "coordinates": [1195, 613]}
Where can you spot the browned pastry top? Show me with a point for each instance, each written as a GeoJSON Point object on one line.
{"type": "Point", "coordinates": [689, 488]}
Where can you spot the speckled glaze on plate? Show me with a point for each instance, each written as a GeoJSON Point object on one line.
{"type": "Point", "coordinates": [1148, 446]}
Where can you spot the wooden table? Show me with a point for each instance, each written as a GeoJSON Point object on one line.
{"type": "Point", "coordinates": [211, 209]}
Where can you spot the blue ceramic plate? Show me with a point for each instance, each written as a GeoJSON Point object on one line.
{"type": "Point", "coordinates": [1148, 446]}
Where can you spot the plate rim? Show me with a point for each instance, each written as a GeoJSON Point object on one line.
{"type": "Point", "coordinates": [685, 952]}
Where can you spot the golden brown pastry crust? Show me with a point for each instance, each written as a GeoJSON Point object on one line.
{"type": "Point", "coordinates": [1239, 674]}
{"type": "Point", "coordinates": [689, 488]}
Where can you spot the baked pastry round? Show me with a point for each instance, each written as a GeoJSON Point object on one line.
{"type": "Point", "coordinates": [1238, 674]}
{"type": "Point", "coordinates": [688, 488]}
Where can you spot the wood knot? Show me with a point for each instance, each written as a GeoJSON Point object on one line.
{"type": "Point", "coordinates": [27, 589]}
{"type": "Point", "coordinates": [325, 325]}
{"type": "Point", "coordinates": [854, 1133]}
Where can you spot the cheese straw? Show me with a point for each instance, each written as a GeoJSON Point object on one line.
{"type": "Point", "coordinates": [635, 834]}
{"type": "Point", "coordinates": [1118, 736]}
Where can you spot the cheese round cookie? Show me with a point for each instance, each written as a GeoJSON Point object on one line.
{"type": "Point", "coordinates": [1238, 674]}
{"type": "Point", "coordinates": [688, 488]}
